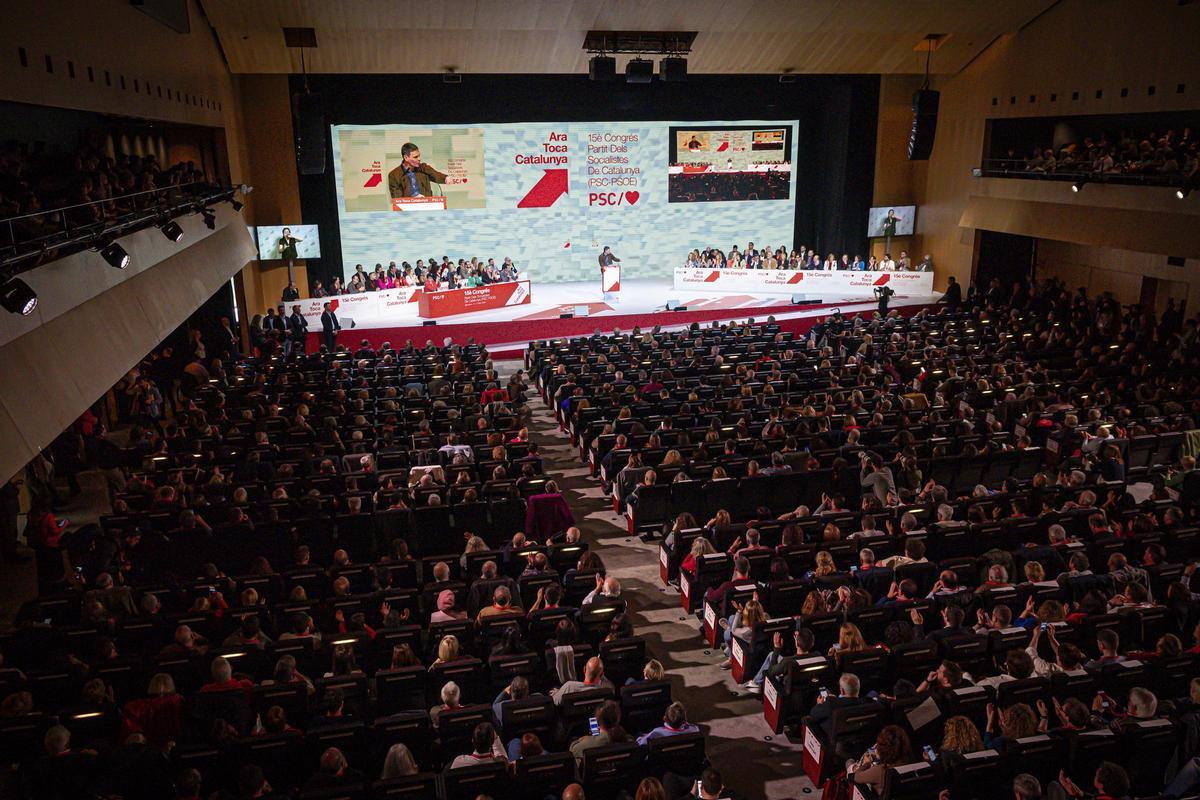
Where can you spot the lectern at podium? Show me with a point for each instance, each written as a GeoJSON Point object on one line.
{"type": "Point", "coordinates": [419, 203]}
{"type": "Point", "coordinates": [610, 282]}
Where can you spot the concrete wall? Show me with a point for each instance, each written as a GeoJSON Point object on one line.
{"type": "Point", "coordinates": [107, 57]}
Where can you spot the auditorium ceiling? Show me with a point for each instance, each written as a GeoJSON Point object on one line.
{"type": "Point", "coordinates": [546, 36]}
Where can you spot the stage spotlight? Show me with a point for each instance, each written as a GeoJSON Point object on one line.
{"type": "Point", "coordinates": [1078, 185]}
{"type": "Point", "coordinates": [172, 231]}
{"type": "Point", "coordinates": [210, 219]}
{"type": "Point", "coordinates": [115, 255]}
{"type": "Point", "coordinates": [1183, 191]}
{"type": "Point", "coordinates": [17, 298]}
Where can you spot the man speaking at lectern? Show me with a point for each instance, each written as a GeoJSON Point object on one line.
{"type": "Point", "coordinates": [607, 258]}
{"type": "Point", "coordinates": [412, 178]}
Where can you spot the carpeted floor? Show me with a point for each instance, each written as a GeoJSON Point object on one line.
{"type": "Point", "coordinates": [752, 762]}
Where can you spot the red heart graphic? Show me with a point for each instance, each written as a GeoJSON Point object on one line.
{"type": "Point", "coordinates": [632, 197]}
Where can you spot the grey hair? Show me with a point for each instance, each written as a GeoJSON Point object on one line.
{"type": "Point", "coordinates": [1026, 787]}
{"type": "Point", "coordinates": [1144, 701]}
{"type": "Point", "coordinates": [222, 670]}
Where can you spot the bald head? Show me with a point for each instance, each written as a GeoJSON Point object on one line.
{"type": "Point", "coordinates": [593, 670]}
{"type": "Point", "coordinates": [573, 792]}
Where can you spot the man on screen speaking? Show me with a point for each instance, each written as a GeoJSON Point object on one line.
{"type": "Point", "coordinates": [607, 258]}
{"type": "Point", "coordinates": [412, 178]}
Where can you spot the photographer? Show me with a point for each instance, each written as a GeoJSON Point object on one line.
{"type": "Point", "coordinates": [884, 293]}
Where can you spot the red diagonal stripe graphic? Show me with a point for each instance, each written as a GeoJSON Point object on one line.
{"type": "Point", "coordinates": [551, 186]}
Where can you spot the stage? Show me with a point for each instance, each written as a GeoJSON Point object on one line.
{"type": "Point", "coordinates": [551, 313]}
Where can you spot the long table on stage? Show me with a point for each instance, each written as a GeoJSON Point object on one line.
{"type": "Point", "coordinates": [445, 303]}
{"type": "Point", "coordinates": [839, 283]}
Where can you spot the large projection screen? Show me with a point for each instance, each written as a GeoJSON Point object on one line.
{"type": "Point", "coordinates": [552, 195]}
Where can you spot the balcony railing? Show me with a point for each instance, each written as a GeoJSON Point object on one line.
{"type": "Point", "coordinates": [31, 239]}
{"type": "Point", "coordinates": [1076, 173]}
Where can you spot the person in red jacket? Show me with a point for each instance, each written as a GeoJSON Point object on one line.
{"type": "Point", "coordinates": [223, 680]}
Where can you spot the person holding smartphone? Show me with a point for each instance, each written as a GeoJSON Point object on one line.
{"type": "Point", "coordinates": [892, 748]}
{"type": "Point", "coordinates": [608, 730]}
{"type": "Point", "coordinates": [848, 688]}
{"type": "Point", "coordinates": [709, 786]}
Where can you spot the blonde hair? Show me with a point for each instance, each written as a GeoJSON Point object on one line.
{"type": "Point", "coordinates": [161, 684]}
{"type": "Point", "coordinates": [448, 648]}
{"type": "Point", "coordinates": [701, 547]}
{"type": "Point", "coordinates": [654, 670]}
{"type": "Point", "coordinates": [825, 565]}
{"type": "Point", "coordinates": [1034, 571]}
{"type": "Point", "coordinates": [753, 614]}
{"type": "Point", "coordinates": [850, 638]}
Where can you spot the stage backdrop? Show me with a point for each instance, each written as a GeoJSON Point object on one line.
{"type": "Point", "coordinates": [551, 195]}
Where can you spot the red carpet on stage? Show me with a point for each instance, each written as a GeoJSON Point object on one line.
{"type": "Point", "coordinates": [513, 336]}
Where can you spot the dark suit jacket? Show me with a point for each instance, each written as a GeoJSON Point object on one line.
{"type": "Point", "coordinates": [398, 181]}
{"type": "Point", "coordinates": [823, 712]}
{"type": "Point", "coordinates": [297, 326]}
{"type": "Point", "coordinates": [329, 322]}
{"type": "Point", "coordinates": [611, 260]}
{"type": "Point", "coordinates": [938, 634]}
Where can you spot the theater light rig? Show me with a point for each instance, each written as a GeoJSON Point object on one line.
{"type": "Point", "coordinates": [674, 46]}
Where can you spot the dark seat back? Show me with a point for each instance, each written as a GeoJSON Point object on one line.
{"type": "Point", "coordinates": [1040, 756]}
{"type": "Point", "coordinates": [1149, 746]}
{"type": "Point", "coordinates": [605, 770]}
{"type": "Point", "coordinates": [910, 782]}
{"type": "Point", "coordinates": [412, 787]}
{"type": "Point", "coordinates": [643, 705]}
{"type": "Point", "coordinates": [544, 775]}
{"type": "Point", "coordinates": [682, 754]}
{"type": "Point", "coordinates": [467, 783]}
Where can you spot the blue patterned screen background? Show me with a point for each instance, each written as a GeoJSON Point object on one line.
{"type": "Point", "coordinates": [558, 242]}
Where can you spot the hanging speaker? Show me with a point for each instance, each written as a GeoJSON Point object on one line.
{"type": "Point", "coordinates": [602, 68]}
{"type": "Point", "coordinates": [310, 134]}
{"type": "Point", "coordinates": [639, 70]}
{"type": "Point", "coordinates": [672, 69]}
{"type": "Point", "coordinates": [924, 124]}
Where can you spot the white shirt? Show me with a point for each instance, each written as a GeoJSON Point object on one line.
{"type": "Point", "coordinates": [458, 450]}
